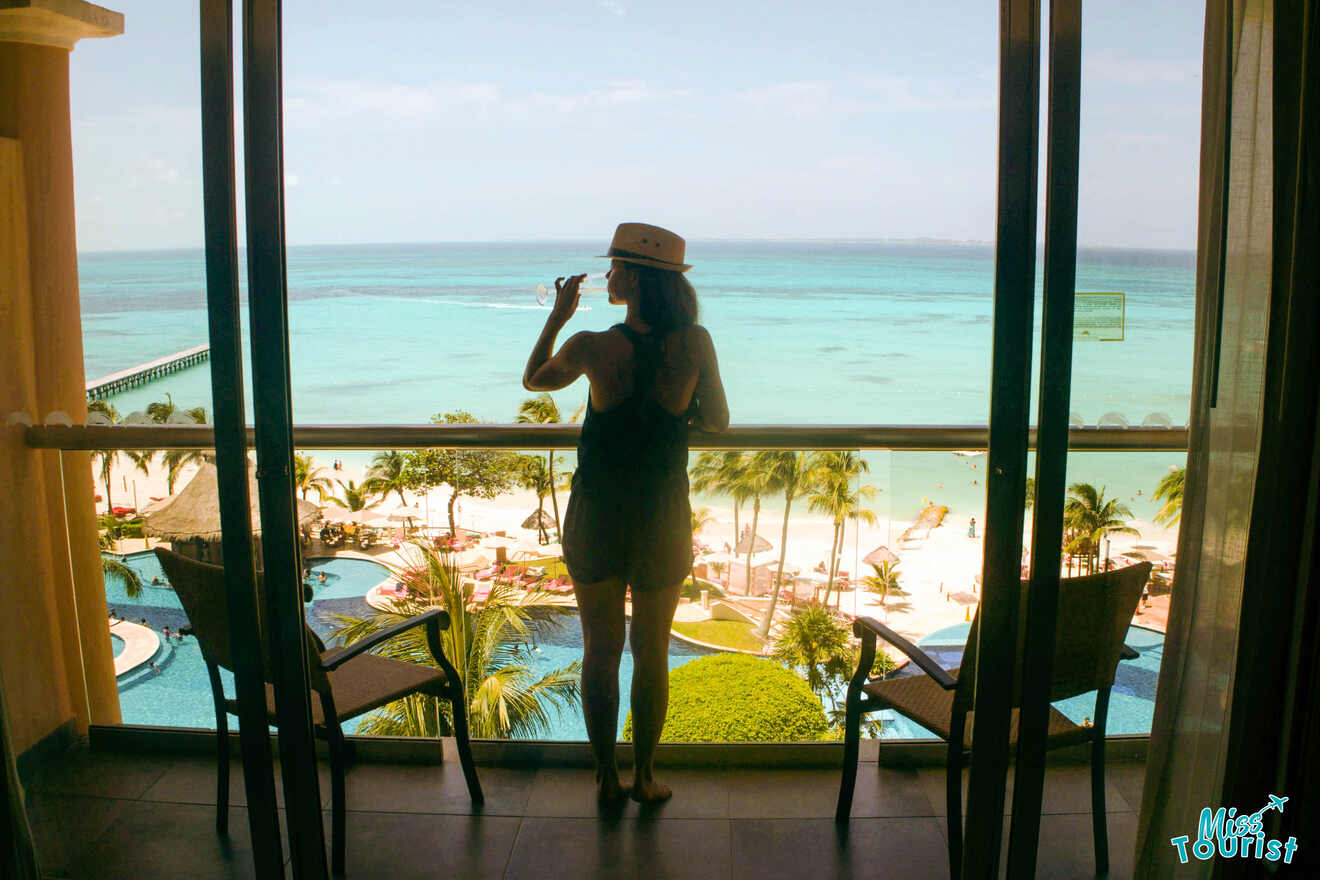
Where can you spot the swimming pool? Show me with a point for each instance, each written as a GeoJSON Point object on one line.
{"type": "Point", "coordinates": [116, 644]}
{"type": "Point", "coordinates": [1131, 700]}
{"type": "Point", "coordinates": [179, 694]}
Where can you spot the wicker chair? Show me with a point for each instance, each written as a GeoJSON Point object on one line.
{"type": "Point", "coordinates": [1094, 614]}
{"type": "Point", "coordinates": [348, 682]}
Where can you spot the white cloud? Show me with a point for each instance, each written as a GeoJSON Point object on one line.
{"type": "Point", "coordinates": [399, 100]}
{"type": "Point", "coordinates": [618, 93]}
{"type": "Point", "coordinates": [612, 6]}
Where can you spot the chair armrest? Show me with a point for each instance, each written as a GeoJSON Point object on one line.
{"type": "Point", "coordinates": [338, 657]}
{"type": "Point", "coordinates": [1128, 653]}
{"type": "Point", "coordinates": [867, 628]}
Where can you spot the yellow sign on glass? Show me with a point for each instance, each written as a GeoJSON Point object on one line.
{"type": "Point", "coordinates": [1098, 317]}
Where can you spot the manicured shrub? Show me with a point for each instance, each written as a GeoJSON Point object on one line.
{"type": "Point", "coordinates": [739, 698]}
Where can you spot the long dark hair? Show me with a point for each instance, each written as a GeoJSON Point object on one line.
{"type": "Point", "coordinates": [666, 299]}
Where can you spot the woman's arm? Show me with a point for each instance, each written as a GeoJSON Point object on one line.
{"type": "Point", "coordinates": [712, 407]}
{"type": "Point", "coordinates": [550, 371]}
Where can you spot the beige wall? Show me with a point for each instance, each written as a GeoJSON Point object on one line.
{"type": "Point", "coordinates": [54, 642]}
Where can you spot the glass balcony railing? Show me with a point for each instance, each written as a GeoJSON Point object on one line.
{"type": "Point", "coordinates": [819, 535]}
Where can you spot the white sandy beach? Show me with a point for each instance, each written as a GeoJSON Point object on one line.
{"type": "Point", "coordinates": [935, 573]}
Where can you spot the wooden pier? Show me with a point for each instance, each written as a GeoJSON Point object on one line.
{"type": "Point", "coordinates": [144, 373]}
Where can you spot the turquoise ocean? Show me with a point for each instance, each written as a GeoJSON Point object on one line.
{"type": "Point", "coordinates": [808, 333]}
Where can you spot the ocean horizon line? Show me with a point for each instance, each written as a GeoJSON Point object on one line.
{"type": "Point", "coordinates": [918, 241]}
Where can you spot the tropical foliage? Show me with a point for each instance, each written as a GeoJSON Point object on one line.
{"type": "Point", "coordinates": [113, 566]}
{"type": "Point", "coordinates": [534, 474]}
{"type": "Point", "coordinates": [833, 477]}
{"type": "Point", "coordinates": [542, 410]}
{"type": "Point", "coordinates": [1170, 491]}
{"type": "Point", "coordinates": [352, 496]}
{"type": "Point", "coordinates": [789, 473]}
{"type": "Point", "coordinates": [720, 473]}
{"type": "Point", "coordinates": [479, 473]}
{"type": "Point", "coordinates": [307, 477]}
{"type": "Point", "coordinates": [489, 643]}
{"type": "Point", "coordinates": [1089, 518]}
{"type": "Point", "coordinates": [817, 642]}
{"type": "Point", "coordinates": [386, 475]}
{"type": "Point", "coordinates": [739, 698]}
{"type": "Point", "coordinates": [884, 581]}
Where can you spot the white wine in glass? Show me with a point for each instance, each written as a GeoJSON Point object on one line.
{"type": "Point", "coordinates": [592, 284]}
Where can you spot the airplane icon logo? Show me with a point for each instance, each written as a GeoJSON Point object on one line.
{"type": "Point", "coordinates": [1276, 803]}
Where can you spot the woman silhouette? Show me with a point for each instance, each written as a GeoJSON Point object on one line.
{"type": "Point", "coordinates": [628, 523]}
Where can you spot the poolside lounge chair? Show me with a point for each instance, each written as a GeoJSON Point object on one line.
{"type": "Point", "coordinates": [1094, 614]}
{"type": "Point", "coordinates": [348, 682]}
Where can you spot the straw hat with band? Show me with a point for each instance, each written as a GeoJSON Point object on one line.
{"type": "Point", "coordinates": [648, 245]}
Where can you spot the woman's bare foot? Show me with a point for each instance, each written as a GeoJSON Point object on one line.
{"type": "Point", "coordinates": [609, 791]}
{"type": "Point", "coordinates": [650, 791]}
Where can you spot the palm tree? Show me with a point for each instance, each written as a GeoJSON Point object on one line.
{"type": "Point", "coordinates": [701, 517]}
{"type": "Point", "coordinates": [105, 457]}
{"type": "Point", "coordinates": [1031, 492]}
{"type": "Point", "coordinates": [175, 460]}
{"type": "Point", "coordinates": [533, 474]}
{"type": "Point", "coordinates": [719, 473]}
{"type": "Point", "coordinates": [353, 496]}
{"type": "Point", "coordinates": [884, 581]}
{"type": "Point", "coordinates": [542, 410]}
{"type": "Point", "coordinates": [488, 645]}
{"type": "Point", "coordinates": [385, 475]}
{"type": "Point", "coordinates": [1170, 491]}
{"type": "Point", "coordinates": [160, 411]}
{"type": "Point", "coordinates": [307, 476]}
{"type": "Point", "coordinates": [789, 474]}
{"type": "Point", "coordinates": [113, 565]}
{"type": "Point", "coordinates": [816, 641]}
{"type": "Point", "coordinates": [754, 480]}
{"type": "Point", "coordinates": [831, 477]}
{"type": "Point", "coordinates": [1092, 518]}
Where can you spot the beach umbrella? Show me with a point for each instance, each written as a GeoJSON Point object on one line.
{"type": "Point", "coordinates": [472, 560]}
{"type": "Point", "coordinates": [546, 521]}
{"type": "Point", "coordinates": [756, 544]}
{"type": "Point", "coordinates": [404, 513]}
{"type": "Point", "coordinates": [879, 556]}
{"type": "Point", "coordinates": [344, 515]}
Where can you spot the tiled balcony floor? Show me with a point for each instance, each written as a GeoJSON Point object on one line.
{"type": "Point", "coordinates": [108, 815]}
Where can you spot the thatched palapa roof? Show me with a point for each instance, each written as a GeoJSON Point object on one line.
{"type": "Point", "coordinates": [195, 511]}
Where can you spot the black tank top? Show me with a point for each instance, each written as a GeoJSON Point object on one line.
{"type": "Point", "coordinates": [637, 442]}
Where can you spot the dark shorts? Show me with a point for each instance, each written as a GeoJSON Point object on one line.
{"type": "Point", "coordinates": [641, 535]}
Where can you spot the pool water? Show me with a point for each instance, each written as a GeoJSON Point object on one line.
{"type": "Point", "coordinates": [116, 644]}
{"type": "Point", "coordinates": [1131, 700]}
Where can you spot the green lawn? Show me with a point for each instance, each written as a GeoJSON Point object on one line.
{"type": "Point", "coordinates": [725, 633]}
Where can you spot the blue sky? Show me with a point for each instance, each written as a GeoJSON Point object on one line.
{"type": "Point", "coordinates": [437, 121]}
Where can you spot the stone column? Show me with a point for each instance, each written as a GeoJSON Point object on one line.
{"type": "Point", "coordinates": [50, 551]}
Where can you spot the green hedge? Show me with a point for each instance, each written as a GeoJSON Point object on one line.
{"type": "Point", "coordinates": [739, 698]}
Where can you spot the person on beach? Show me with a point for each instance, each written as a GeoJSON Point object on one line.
{"type": "Point", "coordinates": [628, 522]}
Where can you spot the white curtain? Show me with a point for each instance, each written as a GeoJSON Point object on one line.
{"type": "Point", "coordinates": [1184, 769]}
